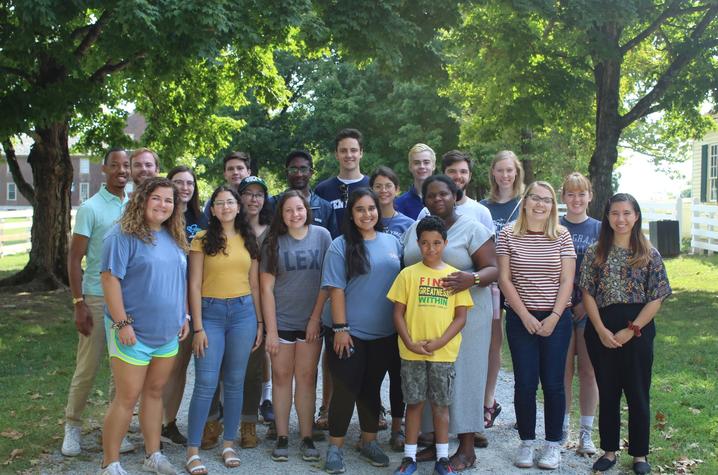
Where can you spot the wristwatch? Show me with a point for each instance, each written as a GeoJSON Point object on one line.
{"type": "Point", "coordinates": [77, 300]}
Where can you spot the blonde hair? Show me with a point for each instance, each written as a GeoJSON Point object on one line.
{"type": "Point", "coordinates": [518, 187]}
{"type": "Point", "coordinates": [142, 150]}
{"type": "Point", "coordinates": [576, 181]}
{"type": "Point", "coordinates": [421, 147]}
{"type": "Point", "coordinates": [552, 229]}
{"type": "Point", "coordinates": [133, 222]}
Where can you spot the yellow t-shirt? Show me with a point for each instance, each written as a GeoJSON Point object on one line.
{"type": "Point", "coordinates": [225, 276]}
{"type": "Point", "coordinates": [429, 309]}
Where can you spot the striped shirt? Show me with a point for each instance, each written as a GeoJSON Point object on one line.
{"type": "Point", "coordinates": [535, 263]}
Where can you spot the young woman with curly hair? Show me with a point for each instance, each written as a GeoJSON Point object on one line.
{"type": "Point", "coordinates": [144, 281]}
{"type": "Point", "coordinates": [226, 319]}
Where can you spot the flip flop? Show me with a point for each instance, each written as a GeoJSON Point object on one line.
{"type": "Point", "coordinates": [231, 461]}
{"type": "Point", "coordinates": [460, 462]}
{"type": "Point", "coordinates": [197, 469]}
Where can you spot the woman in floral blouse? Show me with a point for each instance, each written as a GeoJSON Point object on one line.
{"type": "Point", "coordinates": [624, 283]}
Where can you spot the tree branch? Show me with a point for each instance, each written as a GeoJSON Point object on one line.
{"type": "Point", "coordinates": [650, 29]}
{"type": "Point", "coordinates": [16, 72]}
{"type": "Point", "coordinates": [25, 188]}
{"type": "Point", "coordinates": [110, 67]}
{"type": "Point", "coordinates": [93, 33]}
{"type": "Point", "coordinates": [689, 49]}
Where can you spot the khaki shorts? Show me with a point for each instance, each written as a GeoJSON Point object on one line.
{"type": "Point", "coordinates": [422, 380]}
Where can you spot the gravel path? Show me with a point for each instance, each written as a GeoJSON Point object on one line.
{"type": "Point", "coordinates": [497, 458]}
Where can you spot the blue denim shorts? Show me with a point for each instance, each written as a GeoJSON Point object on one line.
{"type": "Point", "coordinates": [138, 354]}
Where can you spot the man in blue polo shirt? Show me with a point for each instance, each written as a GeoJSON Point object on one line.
{"type": "Point", "coordinates": [422, 162]}
{"type": "Point", "coordinates": [94, 218]}
{"type": "Point", "coordinates": [348, 150]}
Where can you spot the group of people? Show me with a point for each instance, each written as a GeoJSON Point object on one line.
{"type": "Point", "coordinates": [417, 286]}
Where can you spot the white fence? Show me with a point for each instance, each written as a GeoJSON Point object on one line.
{"type": "Point", "coordinates": [699, 222]}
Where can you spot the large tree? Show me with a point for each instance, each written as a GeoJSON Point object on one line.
{"type": "Point", "coordinates": [643, 59]}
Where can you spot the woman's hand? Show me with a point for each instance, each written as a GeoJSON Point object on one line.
{"type": "Point", "coordinates": [199, 343]}
{"type": "Point", "coordinates": [623, 336]}
{"type": "Point", "coordinates": [531, 324]}
{"type": "Point", "coordinates": [342, 342]}
{"type": "Point", "coordinates": [127, 336]}
{"type": "Point", "coordinates": [547, 325]}
{"type": "Point", "coordinates": [184, 331]}
{"type": "Point", "coordinates": [608, 339]}
{"type": "Point", "coordinates": [312, 330]}
{"type": "Point", "coordinates": [260, 336]}
{"type": "Point", "coordinates": [271, 345]}
{"type": "Point", "coordinates": [458, 281]}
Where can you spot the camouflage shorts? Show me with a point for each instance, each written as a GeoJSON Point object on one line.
{"type": "Point", "coordinates": [422, 380]}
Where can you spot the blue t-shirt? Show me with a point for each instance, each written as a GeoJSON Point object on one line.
{"type": "Point", "coordinates": [583, 234]}
{"type": "Point", "coordinates": [397, 224]}
{"type": "Point", "coordinates": [368, 311]}
{"type": "Point", "coordinates": [153, 280]}
{"type": "Point", "coordinates": [322, 212]}
{"type": "Point", "coordinates": [193, 224]}
{"type": "Point", "coordinates": [330, 190]}
{"type": "Point", "coordinates": [502, 213]}
{"type": "Point", "coordinates": [409, 203]}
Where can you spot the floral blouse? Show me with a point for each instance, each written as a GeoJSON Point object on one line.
{"type": "Point", "coordinates": [617, 282]}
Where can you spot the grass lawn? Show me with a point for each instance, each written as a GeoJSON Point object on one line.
{"type": "Point", "coordinates": [38, 338]}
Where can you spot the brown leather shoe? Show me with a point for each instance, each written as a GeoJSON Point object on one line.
{"type": "Point", "coordinates": [248, 433]}
{"type": "Point", "coordinates": [210, 436]}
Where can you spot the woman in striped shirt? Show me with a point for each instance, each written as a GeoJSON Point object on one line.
{"type": "Point", "coordinates": [536, 269]}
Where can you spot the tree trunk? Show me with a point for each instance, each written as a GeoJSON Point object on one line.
{"type": "Point", "coordinates": [52, 175]}
{"type": "Point", "coordinates": [607, 75]}
{"type": "Point", "coordinates": [526, 152]}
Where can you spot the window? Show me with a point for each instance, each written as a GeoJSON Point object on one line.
{"type": "Point", "coordinates": [84, 191]}
{"type": "Point", "coordinates": [84, 166]}
{"type": "Point", "coordinates": [11, 192]}
{"type": "Point", "coordinates": [713, 173]}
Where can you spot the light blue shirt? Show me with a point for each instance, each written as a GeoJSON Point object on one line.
{"type": "Point", "coordinates": [368, 311]}
{"type": "Point", "coordinates": [153, 280]}
{"type": "Point", "coordinates": [94, 218]}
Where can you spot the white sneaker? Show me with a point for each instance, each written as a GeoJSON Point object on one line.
{"type": "Point", "coordinates": [71, 442]}
{"type": "Point", "coordinates": [550, 457]}
{"type": "Point", "coordinates": [113, 469]}
{"type": "Point", "coordinates": [158, 463]}
{"type": "Point", "coordinates": [126, 445]}
{"type": "Point", "coordinates": [525, 454]}
{"type": "Point", "coordinates": [585, 443]}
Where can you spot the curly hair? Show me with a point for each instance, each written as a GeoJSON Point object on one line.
{"type": "Point", "coordinates": [133, 221]}
{"type": "Point", "coordinates": [357, 260]}
{"type": "Point", "coordinates": [279, 228]}
{"type": "Point", "coordinates": [214, 241]}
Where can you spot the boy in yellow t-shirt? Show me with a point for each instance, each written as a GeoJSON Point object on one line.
{"type": "Point", "coordinates": [428, 319]}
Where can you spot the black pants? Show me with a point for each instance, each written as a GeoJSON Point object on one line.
{"type": "Point", "coordinates": [624, 370]}
{"type": "Point", "coordinates": [357, 380]}
{"type": "Point", "coordinates": [396, 396]}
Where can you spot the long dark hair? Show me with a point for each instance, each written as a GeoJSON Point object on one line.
{"type": "Point", "coordinates": [640, 247]}
{"type": "Point", "coordinates": [193, 204]}
{"type": "Point", "coordinates": [455, 190]}
{"type": "Point", "coordinates": [279, 228]}
{"type": "Point", "coordinates": [215, 241]}
{"type": "Point", "coordinates": [357, 261]}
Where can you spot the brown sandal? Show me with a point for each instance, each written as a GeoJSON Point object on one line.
{"type": "Point", "coordinates": [491, 413]}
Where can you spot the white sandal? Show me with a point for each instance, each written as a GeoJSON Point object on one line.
{"type": "Point", "coordinates": [231, 461]}
{"type": "Point", "coordinates": [197, 469]}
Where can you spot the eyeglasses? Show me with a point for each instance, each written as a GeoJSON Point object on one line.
{"type": "Point", "coordinates": [386, 187]}
{"type": "Point", "coordinates": [189, 183]}
{"type": "Point", "coordinates": [538, 199]}
{"type": "Point", "coordinates": [250, 196]}
{"type": "Point", "coordinates": [298, 170]}
{"type": "Point", "coordinates": [228, 203]}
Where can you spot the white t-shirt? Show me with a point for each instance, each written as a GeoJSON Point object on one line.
{"type": "Point", "coordinates": [470, 208]}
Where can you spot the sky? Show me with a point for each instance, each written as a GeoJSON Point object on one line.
{"type": "Point", "coordinates": [640, 177]}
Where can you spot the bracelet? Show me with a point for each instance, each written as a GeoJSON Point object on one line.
{"type": "Point", "coordinates": [77, 300]}
{"type": "Point", "coordinates": [260, 322]}
{"type": "Point", "coordinates": [554, 312]}
{"type": "Point", "coordinates": [343, 329]}
{"type": "Point", "coordinates": [123, 323]}
{"type": "Point", "coordinates": [477, 279]}
{"type": "Point", "coordinates": [188, 317]}
{"type": "Point", "coordinates": [634, 328]}
{"type": "Point", "coordinates": [198, 331]}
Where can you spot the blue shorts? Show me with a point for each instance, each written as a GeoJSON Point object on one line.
{"type": "Point", "coordinates": [138, 354]}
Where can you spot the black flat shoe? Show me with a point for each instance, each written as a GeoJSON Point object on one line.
{"type": "Point", "coordinates": [641, 468]}
{"type": "Point", "coordinates": [603, 464]}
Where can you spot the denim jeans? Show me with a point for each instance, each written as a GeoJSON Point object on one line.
{"type": "Point", "coordinates": [539, 358]}
{"type": "Point", "coordinates": [231, 328]}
